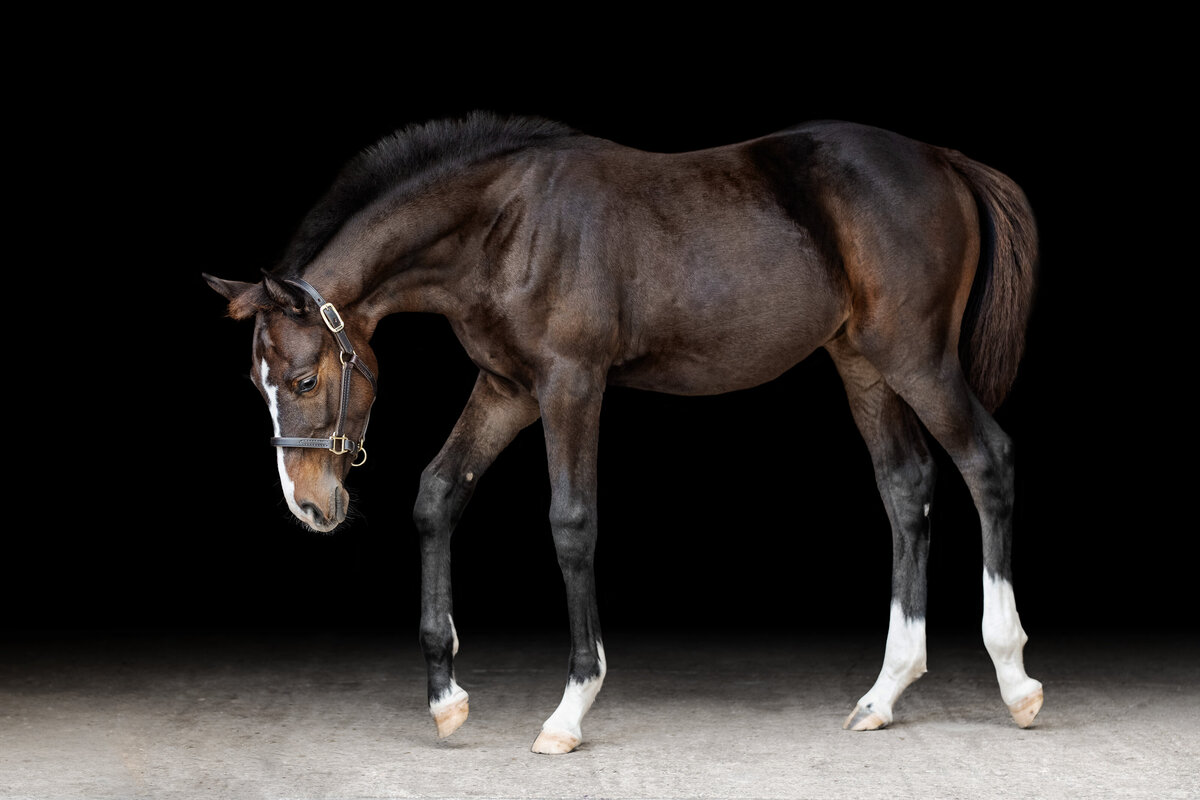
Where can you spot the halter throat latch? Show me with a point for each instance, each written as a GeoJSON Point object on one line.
{"type": "Point", "coordinates": [338, 444]}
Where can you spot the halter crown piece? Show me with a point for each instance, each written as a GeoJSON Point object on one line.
{"type": "Point", "coordinates": [339, 443]}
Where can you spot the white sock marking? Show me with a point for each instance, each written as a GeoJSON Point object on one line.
{"type": "Point", "coordinates": [1005, 639]}
{"type": "Point", "coordinates": [455, 692]}
{"type": "Point", "coordinates": [448, 698]}
{"type": "Point", "coordinates": [903, 663]}
{"type": "Point", "coordinates": [577, 699]}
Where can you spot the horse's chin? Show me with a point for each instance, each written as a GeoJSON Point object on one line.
{"type": "Point", "coordinates": [319, 527]}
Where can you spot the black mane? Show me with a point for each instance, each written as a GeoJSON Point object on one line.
{"type": "Point", "coordinates": [414, 156]}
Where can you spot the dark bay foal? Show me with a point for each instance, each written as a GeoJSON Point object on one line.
{"type": "Point", "coordinates": [566, 263]}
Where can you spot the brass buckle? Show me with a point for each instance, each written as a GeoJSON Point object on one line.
{"type": "Point", "coordinates": [345, 445]}
{"type": "Point", "coordinates": [338, 317]}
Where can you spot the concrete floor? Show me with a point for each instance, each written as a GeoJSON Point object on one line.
{"type": "Point", "coordinates": [693, 716]}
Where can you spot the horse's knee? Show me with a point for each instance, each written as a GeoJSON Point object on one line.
{"type": "Point", "coordinates": [573, 524]}
{"type": "Point", "coordinates": [570, 515]}
{"type": "Point", "coordinates": [432, 510]}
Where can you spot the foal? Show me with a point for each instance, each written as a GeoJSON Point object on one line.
{"type": "Point", "coordinates": [567, 263]}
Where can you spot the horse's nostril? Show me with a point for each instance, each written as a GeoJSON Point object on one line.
{"type": "Point", "coordinates": [311, 509]}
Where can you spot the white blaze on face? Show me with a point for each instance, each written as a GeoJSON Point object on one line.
{"type": "Point", "coordinates": [289, 486]}
{"type": "Point", "coordinates": [1005, 639]}
{"type": "Point", "coordinates": [903, 663]}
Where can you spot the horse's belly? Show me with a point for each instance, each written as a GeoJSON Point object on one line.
{"type": "Point", "coordinates": [686, 378]}
{"type": "Point", "coordinates": [711, 361]}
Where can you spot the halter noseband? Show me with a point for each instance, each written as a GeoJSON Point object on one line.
{"type": "Point", "coordinates": [339, 443]}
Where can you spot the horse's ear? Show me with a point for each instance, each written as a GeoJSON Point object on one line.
{"type": "Point", "coordinates": [245, 299]}
{"type": "Point", "coordinates": [227, 289]}
{"type": "Point", "coordinates": [286, 296]}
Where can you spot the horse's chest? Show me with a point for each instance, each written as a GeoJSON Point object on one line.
{"type": "Point", "coordinates": [495, 345]}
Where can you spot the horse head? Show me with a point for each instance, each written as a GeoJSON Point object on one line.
{"type": "Point", "coordinates": [304, 360]}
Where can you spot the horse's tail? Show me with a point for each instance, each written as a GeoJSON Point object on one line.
{"type": "Point", "coordinates": [997, 314]}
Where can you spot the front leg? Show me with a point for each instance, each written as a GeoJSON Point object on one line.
{"type": "Point", "coordinates": [570, 402]}
{"type": "Point", "coordinates": [495, 413]}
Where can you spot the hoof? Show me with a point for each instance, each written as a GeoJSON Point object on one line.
{"type": "Point", "coordinates": [1023, 711]}
{"type": "Point", "coordinates": [450, 717]}
{"type": "Point", "coordinates": [864, 719]}
{"type": "Point", "coordinates": [555, 742]}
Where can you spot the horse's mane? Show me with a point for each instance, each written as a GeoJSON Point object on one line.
{"type": "Point", "coordinates": [407, 160]}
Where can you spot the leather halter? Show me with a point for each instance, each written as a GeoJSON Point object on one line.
{"type": "Point", "coordinates": [339, 443]}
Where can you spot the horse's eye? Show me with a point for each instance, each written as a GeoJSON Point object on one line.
{"type": "Point", "coordinates": [306, 385]}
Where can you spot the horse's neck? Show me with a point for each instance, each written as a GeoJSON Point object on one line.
{"type": "Point", "coordinates": [410, 259]}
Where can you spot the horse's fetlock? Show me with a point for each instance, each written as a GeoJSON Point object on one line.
{"type": "Point", "coordinates": [586, 666]}
{"type": "Point", "coordinates": [437, 642]}
{"type": "Point", "coordinates": [428, 517]}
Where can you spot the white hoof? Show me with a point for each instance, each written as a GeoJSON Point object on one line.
{"type": "Point", "coordinates": [866, 719]}
{"type": "Point", "coordinates": [451, 713]}
{"type": "Point", "coordinates": [555, 742]}
{"type": "Point", "coordinates": [1024, 710]}
{"type": "Point", "coordinates": [562, 732]}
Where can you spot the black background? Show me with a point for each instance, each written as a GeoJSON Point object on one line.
{"type": "Point", "coordinates": [153, 502]}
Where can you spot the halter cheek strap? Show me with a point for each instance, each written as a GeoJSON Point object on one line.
{"type": "Point", "coordinates": [339, 443]}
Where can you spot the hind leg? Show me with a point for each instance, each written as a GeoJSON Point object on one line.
{"type": "Point", "coordinates": [905, 474]}
{"type": "Point", "coordinates": [982, 453]}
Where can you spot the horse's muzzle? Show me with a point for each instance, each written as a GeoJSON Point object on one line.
{"type": "Point", "coordinates": [326, 517]}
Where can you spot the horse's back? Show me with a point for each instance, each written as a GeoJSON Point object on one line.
{"type": "Point", "coordinates": [720, 288]}
{"type": "Point", "coordinates": [754, 255]}
{"type": "Point", "coordinates": [716, 270]}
